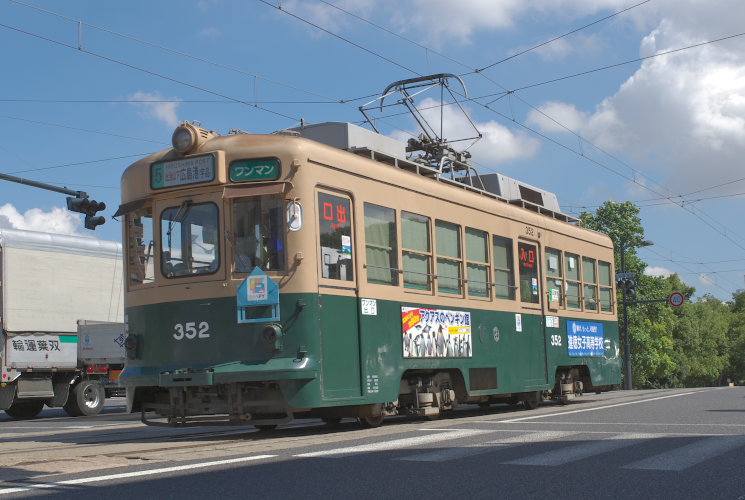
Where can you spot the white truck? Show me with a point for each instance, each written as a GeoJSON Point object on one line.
{"type": "Point", "coordinates": [47, 283]}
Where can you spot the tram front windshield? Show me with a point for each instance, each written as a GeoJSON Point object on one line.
{"type": "Point", "coordinates": [189, 241]}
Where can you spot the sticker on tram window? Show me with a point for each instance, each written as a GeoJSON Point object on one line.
{"type": "Point", "coordinates": [265, 169]}
{"type": "Point", "coordinates": [436, 333]}
{"type": "Point", "coordinates": [194, 170]}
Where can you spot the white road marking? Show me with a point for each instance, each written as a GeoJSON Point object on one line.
{"type": "Point", "coordinates": [489, 446]}
{"type": "Point", "coordinates": [395, 444]}
{"type": "Point", "coordinates": [596, 408]}
{"type": "Point", "coordinates": [686, 456]}
{"type": "Point", "coordinates": [661, 424]}
{"type": "Point", "coordinates": [124, 475]}
{"type": "Point", "coordinates": [575, 452]}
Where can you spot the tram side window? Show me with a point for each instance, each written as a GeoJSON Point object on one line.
{"type": "Point", "coordinates": [449, 259]}
{"type": "Point", "coordinates": [590, 288]}
{"type": "Point", "coordinates": [380, 245]}
{"type": "Point", "coordinates": [554, 276]}
{"type": "Point", "coordinates": [504, 273]}
{"type": "Point", "coordinates": [258, 234]}
{"type": "Point", "coordinates": [335, 225]}
{"type": "Point", "coordinates": [572, 280]}
{"type": "Point", "coordinates": [606, 286]}
{"type": "Point", "coordinates": [528, 273]}
{"type": "Point", "coordinates": [140, 247]}
{"type": "Point", "coordinates": [417, 251]}
{"type": "Point", "coordinates": [189, 240]}
{"type": "Point", "coordinates": [477, 256]}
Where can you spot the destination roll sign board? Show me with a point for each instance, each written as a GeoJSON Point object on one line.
{"type": "Point", "coordinates": [194, 170]}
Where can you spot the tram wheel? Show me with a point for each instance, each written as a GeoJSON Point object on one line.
{"type": "Point", "coordinates": [371, 422]}
{"type": "Point", "coordinates": [531, 400]}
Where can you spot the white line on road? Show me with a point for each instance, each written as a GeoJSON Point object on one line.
{"type": "Point", "coordinates": [395, 444]}
{"type": "Point", "coordinates": [468, 451]}
{"type": "Point", "coordinates": [580, 451]}
{"type": "Point", "coordinates": [689, 455]}
{"type": "Point", "coordinates": [582, 410]}
{"type": "Point", "coordinates": [648, 424]}
{"type": "Point", "coordinates": [124, 475]}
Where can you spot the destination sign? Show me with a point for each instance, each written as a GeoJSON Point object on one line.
{"type": "Point", "coordinates": [194, 170]}
{"type": "Point", "coordinates": [265, 169]}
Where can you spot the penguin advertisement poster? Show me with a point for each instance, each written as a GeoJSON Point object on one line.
{"type": "Point", "coordinates": [436, 333]}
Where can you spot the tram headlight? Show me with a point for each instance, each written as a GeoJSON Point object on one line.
{"type": "Point", "coordinates": [274, 336]}
{"type": "Point", "coordinates": [188, 137]}
{"type": "Point", "coordinates": [184, 138]}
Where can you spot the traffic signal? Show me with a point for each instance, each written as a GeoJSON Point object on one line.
{"type": "Point", "coordinates": [88, 207]}
{"type": "Point", "coordinates": [626, 282]}
{"type": "Point", "coordinates": [630, 287]}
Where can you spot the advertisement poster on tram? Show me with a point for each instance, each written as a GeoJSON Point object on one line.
{"type": "Point", "coordinates": [436, 333]}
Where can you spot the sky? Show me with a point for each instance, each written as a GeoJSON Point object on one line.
{"type": "Point", "coordinates": [623, 100]}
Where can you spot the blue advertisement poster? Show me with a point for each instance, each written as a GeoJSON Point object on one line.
{"type": "Point", "coordinates": [585, 339]}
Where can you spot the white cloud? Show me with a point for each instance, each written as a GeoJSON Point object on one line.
{"type": "Point", "coordinates": [439, 22]}
{"type": "Point", "coordinates": [328, 17]}
{"type": "Point", "coordinates": [163, 111]}
{"type": "Point", "coordinates": [707, 279]}
{"type": "Point", "coordinates": [498, 145]}
{"type": "Point", "coordinates": [658, 271]}
{"type": "Point", "coordinates": [682, 113]}
{"type": "Point", "coordinates": [210, 32]}
{"type": "Point", "coordinates": [57, 220]}
{"type": "Point", "coordinates": [563, 116]}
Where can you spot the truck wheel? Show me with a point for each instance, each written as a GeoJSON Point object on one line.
{"type": "Point", "coordinates": [86, 398]}
{"type": "Point", "coordinates": [25, 409]}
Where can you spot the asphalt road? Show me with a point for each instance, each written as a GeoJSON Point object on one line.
{"type": "Point", "coordinates": [682, 443]}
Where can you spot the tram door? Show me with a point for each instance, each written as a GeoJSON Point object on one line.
{"type": "Point", "coordinates": [337, 292]}
{"type": "Point", "coordinates": [533, 352]}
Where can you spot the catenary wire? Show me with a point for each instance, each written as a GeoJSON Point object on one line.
{"type": "Point", "coordinates": [146, 71]}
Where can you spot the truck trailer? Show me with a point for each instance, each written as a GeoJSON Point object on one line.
{"type": "Point", "coordinates": [48, 282]}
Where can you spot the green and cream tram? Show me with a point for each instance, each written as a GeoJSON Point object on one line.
{"type": "Point", "coordinates": [318, 272]}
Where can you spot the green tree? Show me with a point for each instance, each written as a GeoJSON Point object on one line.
{"type": "Point", "coordinates": [701, 344]}
{"type": "Point", "coordinates": [621, 222]}
{"type": "Point", "coordinates": [736, 340]}
{"type": "Point", "coordinates": [650, 326]}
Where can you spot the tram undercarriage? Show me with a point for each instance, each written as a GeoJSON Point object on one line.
{"type": "Point", "coordinates": [423, 394]}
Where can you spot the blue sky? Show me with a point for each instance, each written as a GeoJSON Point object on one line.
{"type": "Point", "coordinates": [87, 87]}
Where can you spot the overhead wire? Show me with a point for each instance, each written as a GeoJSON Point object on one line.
{"type": "Point", "coordinates": [171, 50]}
{"type": "Point", "coordinates": [149, 72]}
{"type": "Point", "coordinates": [378, 55]}
{"type": "Point", "coordinates": [513, 91]}
{"type": "Point", "coordinates": [49, 124]}
{"type": "Point", "coordinates": [535, 47]}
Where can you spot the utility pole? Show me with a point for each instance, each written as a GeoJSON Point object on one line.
{"type": "Point", "coordinates": [628, 285]}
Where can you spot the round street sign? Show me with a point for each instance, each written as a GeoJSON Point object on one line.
{"type": "Point", "coordinates": [676, 299]}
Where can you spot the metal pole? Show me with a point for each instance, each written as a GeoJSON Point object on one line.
{"type": "Point", "coordinates": [626, 340]}
{"type": "Point", "coordinates": [43, 185]}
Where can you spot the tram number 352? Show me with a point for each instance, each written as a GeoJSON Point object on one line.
{"type": "Point", "coordinates": [191, 330]}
